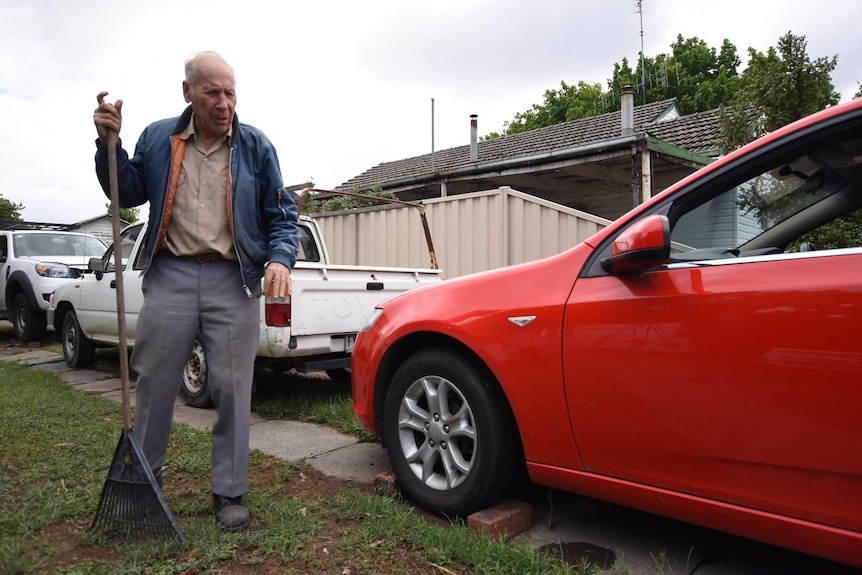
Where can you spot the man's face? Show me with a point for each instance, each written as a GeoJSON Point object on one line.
{"type": "Point", "coordinates": [213, 98]}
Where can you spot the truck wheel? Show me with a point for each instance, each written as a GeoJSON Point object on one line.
{"type": "Point", "coordinates": [340, 375]}
{"type": "Point", "coordinates": [450, 434]}
{"type": "Point", "coordinates": [194, 389]}
{"type": "Point", "coordinates": [29, 325]}
{"type": "Point", "coordinates": [78, 349]}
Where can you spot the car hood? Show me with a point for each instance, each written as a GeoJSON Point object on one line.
{"type": "Point", "coordinates": [454, 303]}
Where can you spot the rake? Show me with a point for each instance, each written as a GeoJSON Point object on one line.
{"type": "Point", "coordinates": [131, 506]}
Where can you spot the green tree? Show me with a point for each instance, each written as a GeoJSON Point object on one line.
{"type": "Point", "coordinates": [858, 93]}
{"type": "Point", "coordinates": [703, 78]}
{"type": "Point", "coordinates": [708, 79]}
{"type": "Point", "coordinates": [622, 75]}
{"type": "Point", "coordinates": [778, 87]}
{"type": "Point", "coordinates": [569, 102]}
{"type": "Point", "coordinates": [10, 211]}
{"type": "Point", "coordinates": [126, 214]}
{"type": "Point", "coordinates": [698, 76]}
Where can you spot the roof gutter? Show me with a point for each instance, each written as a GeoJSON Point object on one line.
{"type": "Point", "coordinates": [662, 147]}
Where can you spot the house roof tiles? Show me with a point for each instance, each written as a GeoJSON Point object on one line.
{"type": "Point", "coordinates": [695, 132]}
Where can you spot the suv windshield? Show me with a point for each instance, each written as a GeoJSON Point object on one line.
{"type": "Point", "coordinates": [40, 245]}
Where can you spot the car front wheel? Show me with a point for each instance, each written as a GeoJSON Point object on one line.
{"type": "Point", "coordinates": [29, 325]}
{"type": "Point", "coordinates": [450, 434]}
{"type": "Point", "coordinates": [78, 349]}
{"type": "Point", "coordinates": [194, 388]}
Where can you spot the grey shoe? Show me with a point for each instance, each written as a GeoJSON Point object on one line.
{"type": "Point", "coordinates": [231, 512]}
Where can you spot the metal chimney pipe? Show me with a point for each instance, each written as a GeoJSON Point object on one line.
{"type": "Point", "coordinates": [474, 145]}
{"type": "Point", "coordinates": [627, 108]}
{"type": "Point", "coordinates": [433, 164]}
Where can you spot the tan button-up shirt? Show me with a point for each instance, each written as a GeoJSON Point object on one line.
{"type": "Point", "coordinates": [199, 221]}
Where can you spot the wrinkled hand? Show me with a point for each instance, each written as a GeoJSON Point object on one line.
{"type": "Point", "coordinates": [277, 282]}
{"type": "Point", "coordinates": [107, 117]}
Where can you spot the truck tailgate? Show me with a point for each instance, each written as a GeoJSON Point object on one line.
{"type": "Point", "coordinates": [338, 299]}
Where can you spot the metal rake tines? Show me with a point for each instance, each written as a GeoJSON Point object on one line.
{"type": "Point", "coordinates": [131, 505]}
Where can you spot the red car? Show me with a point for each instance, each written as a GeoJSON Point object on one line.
{"type": "Point", "coordinates": [699, 358]}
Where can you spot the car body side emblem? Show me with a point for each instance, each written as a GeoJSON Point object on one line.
{"type": "Point", "coordinates": [522, 320]}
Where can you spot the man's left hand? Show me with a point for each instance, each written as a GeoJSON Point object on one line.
{"type": "Point", "coordinates": [277, 282]}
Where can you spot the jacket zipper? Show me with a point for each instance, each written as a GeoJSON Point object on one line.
{"type": "Point", "coordinates": [231, 177]}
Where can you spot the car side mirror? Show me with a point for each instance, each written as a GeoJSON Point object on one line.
{"type": "Point", "coordinates": [645, 245]}
{"type": "Point", "coordinates": [96, 266]}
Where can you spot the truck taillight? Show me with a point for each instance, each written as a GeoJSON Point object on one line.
{"type": "Point", "coordinates": [277, 311]}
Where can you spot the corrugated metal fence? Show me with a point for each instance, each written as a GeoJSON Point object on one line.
{"type": "Point", "coordinates": [471, 232]}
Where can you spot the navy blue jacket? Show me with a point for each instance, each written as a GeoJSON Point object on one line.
{"type": "Point", "coordinates": [262, 214]}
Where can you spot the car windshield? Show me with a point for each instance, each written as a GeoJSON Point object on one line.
{"type": "Point", "coordinates": [40, 245]}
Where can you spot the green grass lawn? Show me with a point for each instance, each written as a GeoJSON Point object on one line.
{"type": "Point", "coordinates": [56, 445]}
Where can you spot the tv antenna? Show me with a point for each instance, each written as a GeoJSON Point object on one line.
{"type": "Point", "coordinates": [643, 65]}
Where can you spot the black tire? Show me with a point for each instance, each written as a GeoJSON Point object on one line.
{"type": "Point", "coordinates": [78, 349]}
{"type": "Point", "coordinates": [29, 325]}
{"type": "Point", "coordinates": [340, 375]}
{"type": "Point", "coordinates": [471, 432]}
{"type": "Point", "coordinates": [195, 389]}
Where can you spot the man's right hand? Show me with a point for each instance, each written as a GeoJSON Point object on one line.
{"type": "Point", "coordinates": [107, 117]}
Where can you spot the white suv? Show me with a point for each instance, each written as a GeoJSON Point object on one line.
{"type": "Point", "coordinates": [33, 263]}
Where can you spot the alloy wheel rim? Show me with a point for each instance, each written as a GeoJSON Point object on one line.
{"type": "Point", "coordinates": [437, 433]}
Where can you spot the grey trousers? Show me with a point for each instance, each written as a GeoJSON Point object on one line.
{"type": "Point", "coordinates": [181, 299]}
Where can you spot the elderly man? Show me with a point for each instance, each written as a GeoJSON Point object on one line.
{"type": "Point", "coordinates": [219, 221]}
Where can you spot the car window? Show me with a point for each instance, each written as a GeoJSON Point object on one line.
{"type": "Point", "coordinates": [127, 242]}
{"type": "Point", "coordinates": [735, 222]}
{"type": "Point", "coordinates": [843, 232]}
{"type": "Point", "coordinates": [138, 264]}
{"type": "Point", "coordinates": [308, 251]}
{"type": "Point", "coordinates": [796, 195]}
{"type": "Point", "coordinates": [804, 202]}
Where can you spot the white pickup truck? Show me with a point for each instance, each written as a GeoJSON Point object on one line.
{"type": "Point", "coordinates": [313, 330]}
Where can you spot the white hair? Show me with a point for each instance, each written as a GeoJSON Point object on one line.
{"type": "Point", "coordinates": [191, 64]}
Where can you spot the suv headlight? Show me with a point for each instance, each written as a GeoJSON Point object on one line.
{"type": "Point", "coordinates": [54, 271]}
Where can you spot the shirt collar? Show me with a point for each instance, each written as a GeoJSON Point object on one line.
{"type": "Point", "coordinates": [190, 130]}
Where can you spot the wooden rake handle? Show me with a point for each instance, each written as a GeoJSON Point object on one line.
{"type": "Point", "coordinates": [118, 270]}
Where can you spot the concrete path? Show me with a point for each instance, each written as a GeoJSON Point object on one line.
{"type": "Point", "coordinates": [334, 454]}
{"type": "Point", "coordinates": [620, 540]}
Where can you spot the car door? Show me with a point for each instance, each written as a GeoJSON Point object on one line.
{"type": "Point", "coordinates": [734, 372]}
{"type": "Point", "coordinates": [98, 301]}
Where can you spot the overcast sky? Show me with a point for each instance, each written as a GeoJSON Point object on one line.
{"type": "Point", "coordinates": [340, 85]}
